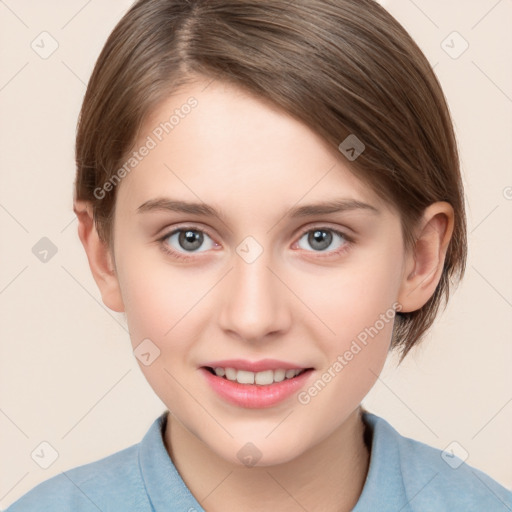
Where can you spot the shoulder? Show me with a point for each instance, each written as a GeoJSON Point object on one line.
{"type": "Point", "coordinates": [109, 484]}
{"type": "Point", "coordinates": [438, 480]}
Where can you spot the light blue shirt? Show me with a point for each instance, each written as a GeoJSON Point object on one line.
{"type": "Point", "coordinates": [404, 476]}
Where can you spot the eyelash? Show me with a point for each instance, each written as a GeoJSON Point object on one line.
{"type": "Point", "coordinates": [181, 256]}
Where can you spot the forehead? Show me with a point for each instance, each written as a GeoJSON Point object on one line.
{"type": "Point", "coordinates": [217, 143]}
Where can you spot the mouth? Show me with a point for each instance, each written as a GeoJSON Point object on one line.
{"type": "Point", "coordinates": [255, 385]}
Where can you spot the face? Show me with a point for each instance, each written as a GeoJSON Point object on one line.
{"type": "Point", "coordinates": [259, 282]}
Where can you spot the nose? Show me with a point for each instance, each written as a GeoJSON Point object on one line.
{"type": "Point", "coordinates": [254, 300]}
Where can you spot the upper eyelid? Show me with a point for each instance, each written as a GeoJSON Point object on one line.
{"type": "Point", "coordinates": [190, 227]}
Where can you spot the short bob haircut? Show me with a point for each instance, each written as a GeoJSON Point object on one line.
{"type": "Point", "coordinates": [341, 67]}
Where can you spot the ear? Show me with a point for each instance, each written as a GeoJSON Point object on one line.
{"type": "Point", "coordinates": [425, 261]}
{"type": "Point", "coordinates": [99, 256]}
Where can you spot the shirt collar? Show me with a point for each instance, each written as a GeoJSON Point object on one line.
{"type": "Point", "coordinates": [383, 489]}
{"type": "Point", "coordinates": [163, 483]}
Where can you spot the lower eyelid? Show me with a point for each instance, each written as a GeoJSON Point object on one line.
{"type": "Point", "coordinates": [162, 240]}
{"type": "Point", "coordinates": [328, 253]}
{"type": "Point", "coordinates": [185, 255]}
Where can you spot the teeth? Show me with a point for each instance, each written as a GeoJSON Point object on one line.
{"type": "Point", "coordinates": [263, 378]}
{"type": "Point", "coordinates": [244, 377]}
{"type": "Point", "coordinates": [279, 375]}
{"type": "Point", "coordinates": [230, 373]}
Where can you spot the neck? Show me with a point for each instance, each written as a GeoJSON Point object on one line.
{"type": "Point", "coordinates": [328, 477]}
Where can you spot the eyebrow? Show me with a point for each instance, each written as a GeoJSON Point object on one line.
{"type": "Point", "coordinates": [323, 208]}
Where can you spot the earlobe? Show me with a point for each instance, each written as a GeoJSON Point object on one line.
{"type": "Point", "coordinates": [99, 257]}
{"type": "Point", "coordinates": [425, 262]}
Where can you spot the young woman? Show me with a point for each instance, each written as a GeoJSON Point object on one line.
{"type": "Point", "coordinates": [270, 191]}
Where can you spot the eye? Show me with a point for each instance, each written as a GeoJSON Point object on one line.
{"type": "Point", "coordinates": [186, 240]}
{"type": "Point", "coordinates": [321, 238]}
{"type": "Point", "coordinates": [182, 243]}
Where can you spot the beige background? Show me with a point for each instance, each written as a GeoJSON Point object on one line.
{"type": "Point", "coordinates": [67, 373]}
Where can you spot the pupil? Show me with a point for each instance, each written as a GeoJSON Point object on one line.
{"type": "Point", "coordinates": [323, 238]}
{"type": "Point", "coordinates": [190, 240]}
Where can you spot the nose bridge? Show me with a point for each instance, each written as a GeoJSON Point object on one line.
{"type": "Point", "coordinates": [253, 303]}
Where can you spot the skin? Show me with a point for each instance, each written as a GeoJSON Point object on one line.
{"type": "Point", "coordinates": [295, 302]}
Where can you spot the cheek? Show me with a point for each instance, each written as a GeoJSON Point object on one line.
{"type": "Point", "coordinates": [150, 307]}
{"type": "Point", "coordinates": [350, 301]}
{"type": "Point", "coordinates": [160, 307]}
{"type": "Point", "coordinates": [357, 316]}
{"type": "Point", "coordinates": [358, 308]}
{"type": "Point", "coordinates": [157, 297]}
{"type": "Point", "coordinates": [353, 359]}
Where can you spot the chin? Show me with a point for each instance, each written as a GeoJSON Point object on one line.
{"type": "Point", "coordinates": [260, 453]}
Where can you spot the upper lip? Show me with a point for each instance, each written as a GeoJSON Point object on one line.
{"type": "Point", "coordinates": [255, 366]}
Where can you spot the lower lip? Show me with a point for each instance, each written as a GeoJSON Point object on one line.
{"type": "Point", "coordinates": [253, 396]}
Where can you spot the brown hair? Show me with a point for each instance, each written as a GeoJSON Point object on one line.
{"type": "Point", "coordinates": [341, 66]}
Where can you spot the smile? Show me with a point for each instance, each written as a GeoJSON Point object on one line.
{"type": "Point", "coordinates": [255, 389]}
